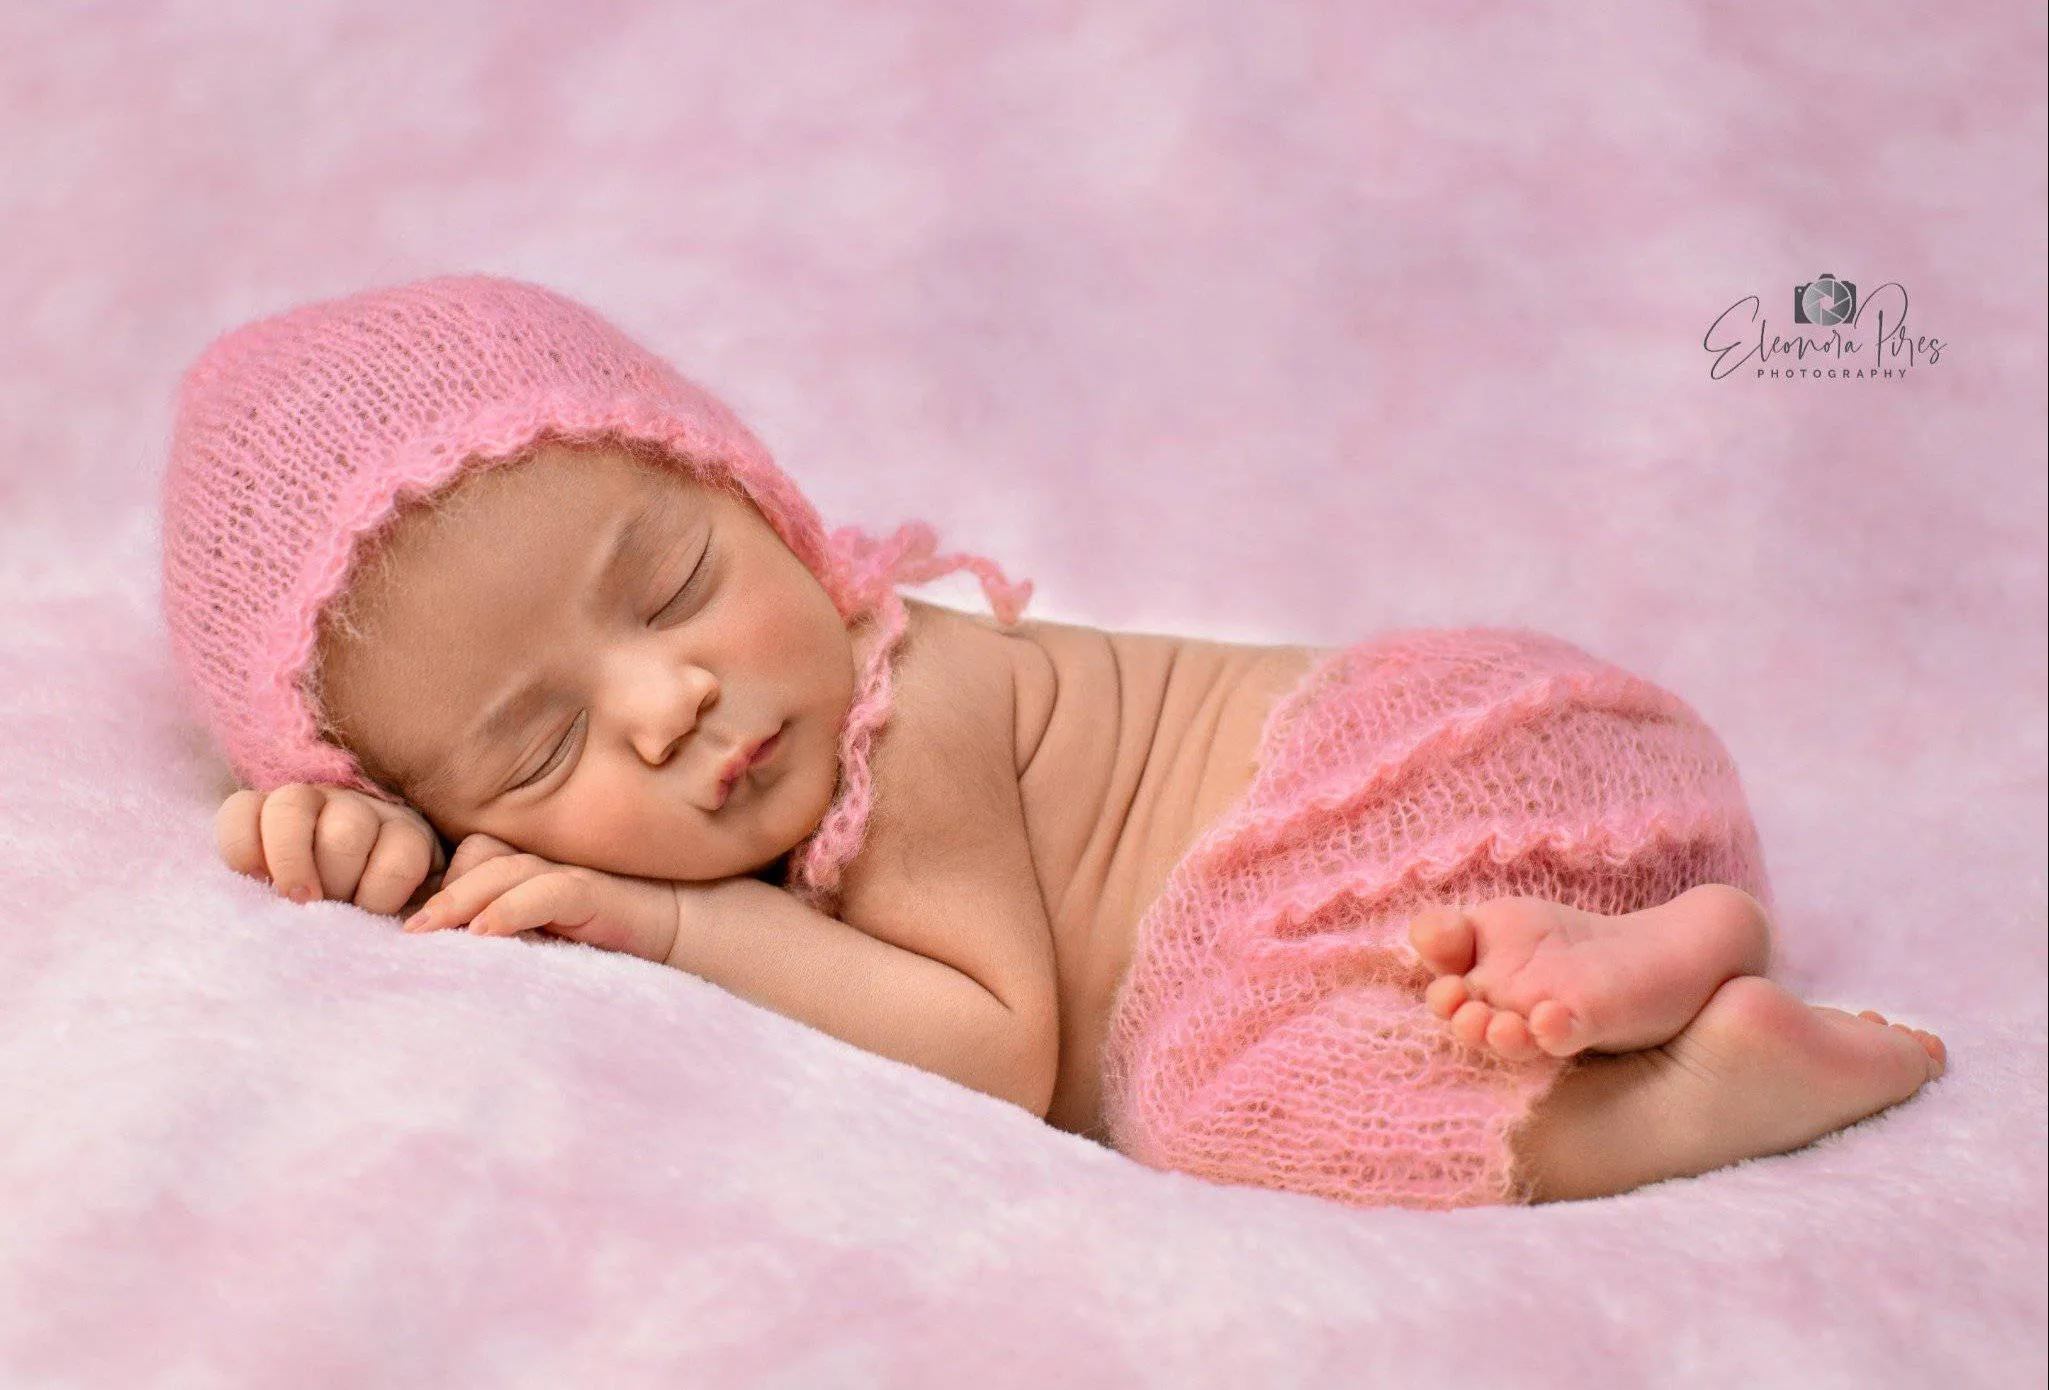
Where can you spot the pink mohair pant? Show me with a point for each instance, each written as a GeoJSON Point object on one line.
{"type": "Point", "coordinates": [1271, 1029]}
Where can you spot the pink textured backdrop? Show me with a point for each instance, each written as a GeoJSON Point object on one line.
{"type": "Point", "coordinates": [1292, 321]}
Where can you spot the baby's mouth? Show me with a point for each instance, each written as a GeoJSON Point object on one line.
{"type": "Point", "coordinates": [746, 758]}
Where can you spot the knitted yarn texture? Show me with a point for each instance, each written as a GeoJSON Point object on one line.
{"type": "Point", "coordinates": [297, 437]}
{"type": "Point", "coordinates": [1271, 1029]}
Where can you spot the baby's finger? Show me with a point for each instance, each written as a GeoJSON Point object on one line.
{"type": "Point", "coordinates": [236, 830]}
{"type": "Point", "coordinates": [399, 863]}
{"type": "Point", "coordinates": [342, 840]}
{"type": "Point", "coordinates": [462, 900]}
{"type": "Point", "coordinates": [476, 848]}
{"type": "Point", "coordinates": [553, 899]}
{"type": "Point", "coordinates": [289, 815]}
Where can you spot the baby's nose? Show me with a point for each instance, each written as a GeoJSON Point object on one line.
{"type": "Point", "coordinates": [662, 705]}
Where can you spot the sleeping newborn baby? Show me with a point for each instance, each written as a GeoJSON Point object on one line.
{"type": "Point", "coordinates": [509, 628]}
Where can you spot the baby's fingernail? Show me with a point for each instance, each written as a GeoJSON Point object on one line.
{"type": "Point", "coordinates": [301, 894]}
{"type": "Point", "coordinates": [418, 920]}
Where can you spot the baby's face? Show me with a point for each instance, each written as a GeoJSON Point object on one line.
{"type": "Point", "coordinates": [629, 685]}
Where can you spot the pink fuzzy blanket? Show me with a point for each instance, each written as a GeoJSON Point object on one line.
{"type": "Point", "coordinates": [1297, 322]}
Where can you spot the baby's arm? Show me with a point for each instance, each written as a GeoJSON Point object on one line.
{"type": "Point", "coordinates": [330, 842]}
{"type": "Point", "coordinates": [759, 942]}
{"type": "Point", "coordinates": [755, 940]}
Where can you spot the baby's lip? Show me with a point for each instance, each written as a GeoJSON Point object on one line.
{"type": "Point", "coordinates": [738, 763]}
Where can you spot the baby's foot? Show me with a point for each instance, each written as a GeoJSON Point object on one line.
{"type": "Point", "coordinates": [1521, 975]}
{"type": "Point", "coordinates": [1756, 1072]}
{"type": "Point", "coordinates": [1775, 1073]}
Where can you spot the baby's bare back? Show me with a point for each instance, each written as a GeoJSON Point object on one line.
{"type": "Point", "coordinates": [1129, 745]}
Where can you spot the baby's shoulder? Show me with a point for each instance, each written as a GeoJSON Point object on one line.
{"type": "Point", "coordinates": [954, 666]}
{"type": "Point", "coordinates": [945, 786]}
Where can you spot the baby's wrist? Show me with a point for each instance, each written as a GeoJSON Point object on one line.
{"type": "Point", "coordinates": [701, 906]}
{"type": "Point", "coordinates": [691, 903]}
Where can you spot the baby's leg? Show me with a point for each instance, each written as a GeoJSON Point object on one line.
{"type": "Point", "coordinates": [1756, 1072]}
{"type": "Point", "coordinates": [1520, 975]}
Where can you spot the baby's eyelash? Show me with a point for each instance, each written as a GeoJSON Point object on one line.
{"type": "Point", "coordinates": [703, 563]}
{"type": "Point", "coordinates": [553, 759]}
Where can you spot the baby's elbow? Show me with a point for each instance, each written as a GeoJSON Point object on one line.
{"type": "Point", "coordinates": [1038, 1070]}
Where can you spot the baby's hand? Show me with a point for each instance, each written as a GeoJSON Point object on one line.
{"type": "Point", "coordinates": [329, 842]}
{"type": "Point", "coordinates": [501, 891]}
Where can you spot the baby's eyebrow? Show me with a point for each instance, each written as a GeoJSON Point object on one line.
{"type": "Point", "coordinates": [511, 708]}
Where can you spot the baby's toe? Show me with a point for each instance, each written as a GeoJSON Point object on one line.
{"type": "Point", "coordinates": [1445, 994]}
{"type": "Point", "coordinates": [1930, 1044]}
{"type": "Point", "coordinates": [1469, 1024]}
{"type": "Point", "coordinates": [1443, 937]}
{"type": "Point", "coordinates": [1509, 1035]}
{"type": "Point", "coordinates": [1555, 1029]}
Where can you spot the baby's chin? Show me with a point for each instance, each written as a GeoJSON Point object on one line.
{"type": "Point", "coordinates": [662, 863]}
{"type": "Point", "coordinates": [770, 865]}
{"type": "Point", "coordinates": [783, 826]}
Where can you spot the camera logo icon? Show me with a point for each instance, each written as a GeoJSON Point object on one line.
{"type": "Point", "coordinates": [1825, 301]}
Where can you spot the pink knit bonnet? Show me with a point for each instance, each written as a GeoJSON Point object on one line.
{"type": "Point", "coordinates": [298, 436]}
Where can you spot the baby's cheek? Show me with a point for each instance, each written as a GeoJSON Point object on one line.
{"type": "Point", "coordinates": [601, 828]}
{"type": "Point", "coordinates": [649, 830]}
